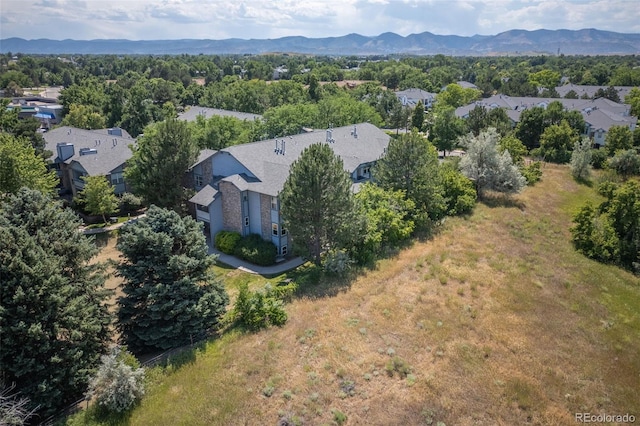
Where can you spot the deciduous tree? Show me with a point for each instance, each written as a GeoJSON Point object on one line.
{"type": "Point", "coordinates": [98, 196]}
{"type": "Point", "coordinates": [487, 168]}
{"type": "Point", "coordinates": [161, 159]}
{"type": "Point", "coordinates": [21, 167]}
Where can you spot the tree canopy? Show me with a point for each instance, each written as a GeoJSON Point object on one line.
{"type": "Point", "coordinates": [171, 295]}
{"type": "Point", "coordinates": [489, 169]}
{"type": "Point", "coordinates": [98, 196]}
{"type": "Point", "coordinates": [55, 324]}
{"type": "Point", "coordinates": [21, 167]}
{"type": "Point", "coordinates": [317, 203]}
{"type": "Point", "coordinates": [411, 165]}
{"type": "Point", "coordinates": [162, 157]}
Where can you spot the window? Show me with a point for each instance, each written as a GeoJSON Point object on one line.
{"type": "Point", "coordinates": [283, 250]}
{"type": "Point", "coordinates": [274, 203]}
{"type": "Point", "coordinates": [202, 208]}
{"type": "Point", "coordinates": [116, 178]}
{"type": "Point", "coordinates": [283, 231]}
{"type": "Point", "coordinates": [198, 180]}
{"type": "Point", "coordinates": [246, 221]}
{"type": "Point", "coordinates": [274, 229]}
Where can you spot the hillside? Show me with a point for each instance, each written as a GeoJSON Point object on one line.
{"type": "Point", "coordinates": [496, 320]}
{"type": "Point", "coordinates": [569, 42]}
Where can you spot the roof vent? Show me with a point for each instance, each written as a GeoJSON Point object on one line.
{"type": "Point", "coordinates": [88, 151]}
{"type": "Point", "coordinates": [354, 132]}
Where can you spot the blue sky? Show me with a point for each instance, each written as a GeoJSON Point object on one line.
{"type": "Point", "coordinates": [220, 19]}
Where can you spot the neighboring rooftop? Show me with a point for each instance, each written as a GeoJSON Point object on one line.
{"type": "Point", "coordinates": [271, 168]}
{"type": "Point", "coordinates": [192, 113]}
{"type": "Point", "coordinates": [103, 152]}
{"type": "Point", "coordinates": [590, 91]}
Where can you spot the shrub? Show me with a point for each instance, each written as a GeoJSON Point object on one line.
{"type": "Point", "coordinates": [118, 384]}
{"type": "Point", "coordinates": [625, 163]}
{"type": "Point", "coordinates": [337, 262]}
{"type": "Point", "coordinates": [598, 158]}
{"type": "Point", "coordinates": [259, 309]}
{"type": "Point", "coordinates": [227, 241]}
{"type": "Point", "coordinates": [130, 203]}
{"type": "Point", "coordinates": [532, 173]}
{"type": "Point", "coordinates": [256, 250]}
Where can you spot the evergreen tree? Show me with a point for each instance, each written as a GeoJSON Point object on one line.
{"type": "Point", "coordinates": [317, 203]}
{"type": "Point", "coordinates": [98, 196]}
{"type": "Point", "coordinates": [170, 293]}
{"type": "Point", "coordinates": [163, 156]}
{"type": "Point", "coordinates": [53, 316]}
{"type": "Point", "coordinates": [489, 169]}
{"type": "Point", "coordinates": [411, 165]}
{"type": "Point", "coordinates": [417, 119]}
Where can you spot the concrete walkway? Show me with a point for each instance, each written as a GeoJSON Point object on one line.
{"type": "Point", "coordinates": [245, 266]}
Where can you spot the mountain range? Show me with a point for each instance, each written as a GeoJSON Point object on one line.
{"type": "Point", "coordinates": [513, 42]}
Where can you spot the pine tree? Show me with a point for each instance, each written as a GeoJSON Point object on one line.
{"type": "Point", "coordinates": [417, 119]}
{"type": "Point", "coordinates": [411, 165]}
{"type": "Point", "coordinates": [158, 165]}
{"type": "Point", "coordinates": [317, 203]}
{"type": "Point", "coordinates": [170, 293]}
{"type": "Point", "coordinates": [53, 316]}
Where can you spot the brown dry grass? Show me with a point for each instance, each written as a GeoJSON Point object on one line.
{"type": "Point", "coordinates": [500, 320]}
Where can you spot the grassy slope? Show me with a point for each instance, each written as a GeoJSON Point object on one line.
{"type": "Point", "coordinates": [501, 321]}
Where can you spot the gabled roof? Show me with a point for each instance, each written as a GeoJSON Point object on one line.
{"type": "Point", "coordinates": [204, 155]}
{"type": "Point", "coordinates": [192, 113]}
{"type": "Point", "coordinates": [601, 119]}
{"type": "Point", "coordinates": [205, 196]}
{"type": "Point", "coordinates": [271, 169]}
{"type": "Point", "coordinates": [111, 151]}
{"type": "Point", "coordinates": [590, 91]}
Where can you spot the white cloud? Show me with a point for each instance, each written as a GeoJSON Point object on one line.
{"type": "Point", "coordinates": [172, 19]}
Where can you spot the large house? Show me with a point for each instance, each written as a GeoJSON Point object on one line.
{"type": "Point", "coordinates": [194, 112]}
{"type": "Point", "coordinates": [411, 97]}
{"type": "Point", "coordinates": [77, 153]}
{"type": "Point", "coordinates": [238, 186]}
{"type": "Point", "coordinates": [599, 114]}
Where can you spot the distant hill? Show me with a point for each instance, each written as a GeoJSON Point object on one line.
{"type": "Point", "coordinates": [569, 42]}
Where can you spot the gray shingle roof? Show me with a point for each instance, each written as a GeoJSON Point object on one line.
{"type": "Point", "coordinates": [204, 154]}
{"type": "Point", "coordinates": [192, 113]}
{"type": "Point", "coordinates": [205, 196]}
{"type": "Point", "coordinates": [272, 169]}
{"type": "Point", "coordinates": [111, 151]}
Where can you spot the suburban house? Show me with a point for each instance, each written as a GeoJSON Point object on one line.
{"type": "Point", "coordinates": [47, 110]}
{"type": "Point", "coordinates": [411, 97]}
{"type": "Point", "coordinates": [599, 114]}
{"type": "Point", "coordinates": [79, 152]}
{"type": "Point", "coordinates": [238, 186]}
{"type": "Point", "coordinates": [194, 112]}
{"type": "Point", "coordinates": [590, 91]}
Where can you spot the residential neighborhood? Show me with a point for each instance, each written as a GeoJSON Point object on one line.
{"type": "Point", "coordinates": [281, 238]}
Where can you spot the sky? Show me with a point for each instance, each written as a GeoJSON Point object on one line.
{"type": "Point", "coordinates": [263, 19]}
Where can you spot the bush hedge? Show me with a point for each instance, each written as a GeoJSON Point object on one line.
{"type": "Point", "coordinates": [254, 249]}
{"type": "Point", "coordinates": [227, 241]}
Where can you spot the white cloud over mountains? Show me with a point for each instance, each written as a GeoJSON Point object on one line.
{"type": "Point", "coordinates": [219, 19]}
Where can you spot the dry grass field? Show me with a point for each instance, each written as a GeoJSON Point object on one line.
{"type": "Point", "coordinates": [494, 321]}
